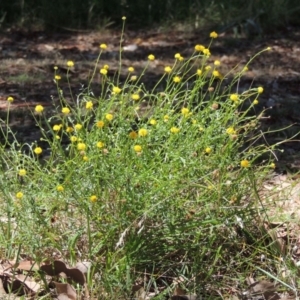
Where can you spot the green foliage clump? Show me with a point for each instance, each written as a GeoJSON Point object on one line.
{"type": "Point", "coordinates": [140, 180]}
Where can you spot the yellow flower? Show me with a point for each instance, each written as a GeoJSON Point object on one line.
{"type": "Point", "coordinates": [245, 69]}
{"type": "Point", "coordinates": [234, 97]}
{"type": "Point", "coordinates": [60, 188]}
{"type": "Point", "coordinates": [103, 46]}
{"type": "Point", "coordinates": [57, 127]}
{"type": "Point", "coordinates": [174, 130]}
{"type": "Point", "coordinates": [213, 35]}
{"type": "Point", "coordinates": [109, 117]}
{"type": "Point", "coordinates": [57, 77]}
{"type": "Point", "coordinates": [116, 90]}
{"type": "Point", "coordinates": [81, 146]}
{"type": "Point", "coordinates": [19, 195]}
{"type": "Point", "coordinates": [185, 111]}
{"type": "Point", "coordinates": [176, 79]}
{"type": "Point", "coordinates": [22, 172]}
{"type": "Point", "coordinates": [70, 63]}
{"type": "Point", "coordinates": [39, 109]}
{"type": "Point", "coordinates": [137, 148]}
{"type": "Point", "coordinates": [57, 137]}
{"type": "Point", "coordinates": [10, 99]}
{"type": "Point", "coordinates": [245, 163]}
{"type": "Point", "coordinates": [78, 126]}
{"type": "Point", "coordinates": [166, 118]}
{"type": "Point", "coordinates": [217, 74]}
{"type": "Point", "coordinates": [207, 68]}
{"type": "Point", "coordinates": [143, 132]}
{"type": "Point", "coordinates": [123, 18]}
{"type": "Point", "coordinates": [269, 48]}
{"type": "Point", "coordinates": [230, 130]}
{"type": "Point", "coordinates": [65, 110]}
{"type": "Point", "coordinates": [153, 122]}
{"type": "Point", "coordinates": [103, 71]}
{"type": "Point", "coordinates": [208, 150]}
{"type": "Point", "coordinates": [131, 69]}
{"type": "Point", "coordinates": [106, 67]}
{"type": "Point", "coordinates": [206, 52]}
{"type": "Point", "coordinates": [151, 57]}
{"type": "Point", "coordinates": [100, 145]}
{"type": "Point", "coordinates": [260, 89]}
{"type": "Point", "coordinates": [217, 62]}
{"type": "Point", "coordinates": [168, 69]}
{"type": "Point", "coordinates": [85, 158]}
{"type": "Point", "coordinates": [55, 68]}
{"type": "Point", "coordinates": [93, 198]}
{"type": "Point", "coordinates": [133, 135]}
{"type": "Point", "coordinates": [199, 72]}
{"type": "Point", "coordinates": [38, 150]}
{"type": "Point", "coordinates": [133, 78]}
{"type": "Point", "coordinates": [89, 105]}
{"type": "Point", "coordinates": [255, 102]}
{"type": "Point", "coordinates": [272, 165]}
{"type": "Point", "coordinates": [178, 56]}
{"type": "Point", "coordinates": [69, 129]}
{"type": "Point", "coordinates": [100, 124]}
{"type": "Point", "coordinates": [73, 138]}
{"type": "Point", "coordinates": [199, 48]}
{"type": "Point", "coordinates": [135, 97]}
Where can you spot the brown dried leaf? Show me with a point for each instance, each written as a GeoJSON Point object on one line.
{"type": "Point", "coordinates": [28, 265]}
{"type": "Point", "coordinates": [58, 267]}
{"type": "Point", "coordinates": [83, 266]}
{"type": "Point", "coordinates": [65, 291]}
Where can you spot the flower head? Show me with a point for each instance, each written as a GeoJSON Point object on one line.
{"type": "Point", "coordinates": [22, 172]}
{"type": "Point", "coordinates": [73, 138]}
{"type": "Point", "coordinates": [153, 122]}
{"type": "Point", "coordinates": [100, 124]}
{"type": "Point", "coordinates": [176, 79]}
{"type": "Point", "coordinates": [65, 110]}
{"type": "Point", "coordinates": [39, 109]}
{"type": "Point", "coordinates": [135, 97]}
{"type": "Point", "coordinates": [116, 90]}
{"type": "Point", "coordinates": [100, 145]}
{"type": "Point", "coordinates": [230, 130]}
{"type": "Point", "coordinates": [133, 135]}
{"type": "Point", "coordinates": [143, 132]}
{"type": "Point", "coordinates": [131, 69]}
{"type": "Point", "coordinates": [137, 148]}
{"type": "Point", "coordinates": [234, 97]}
{"type": "Point", "coordinates": [245, 163]}
{"type": "Point", "coordinates": [109, 117]}
{"type": "Point", "coordinates": [199, 48]}
{"type": "Point", "coordinates": [185, 111]}
{"type": "Point", "coordinates": [208, 150]}
{"type": "Point", "coordinates": [19, 195]}
{"type": "Point", "coordinates": [89, 105]}
{"type": "Point", "coordinates": [133, 78]}
{"type": "Point", "coordinates": [213, 35]}
{"type": "Point", "coordinates": [168, 69]}
{"type": "Point", "coordinates": [260, 89]}
{"type": "Point", "coordinates": [70, 63]}
{"type": "Point", "coordinates": [255, 102]}
{"type": "Point", "coordinates": [151, 57]}
{"type": "Point", "coordinates": [174, 130]}
{"type": "Point", "coordinates": [57, 127]}
{"type": "Point", "coordinates": [199, 72]}
{"type": "Point", "coordinates": [93, 198]}
{"type": "Point", "coordinates": [38, 150]}
{"type": "Point", "coordinates": [106, 67]}
{"type": "Point", "coordinates": [57, 77]}
{"type": "Point", "coordinates": [123, 18]}
{"type": "Point", "coordinates": [78, 126]}
{"type": "Point", "coordinates": [81, 146]}
{"type": "Point", "coordinates": [60, 188]}
{"type": "Point", "coordinates": [103, 71]}
{"type": "Point", "coordinates": [206, 52]}
{"type": "Point", "coordinates": [10, 99]}
{"type": "Point", "coordinates": [103, 46]}
{"type": "Point", "coordinates": [217, 62]}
